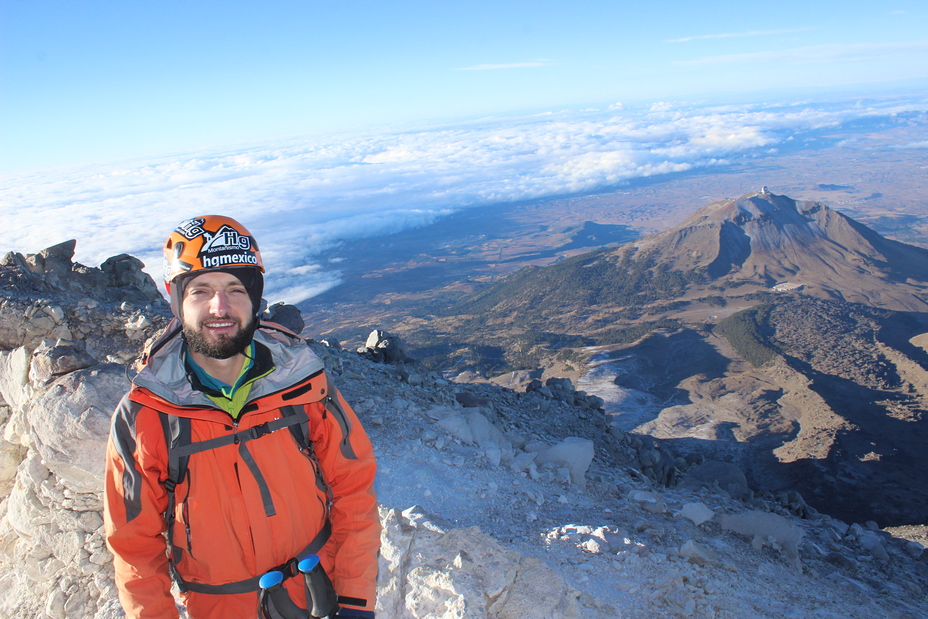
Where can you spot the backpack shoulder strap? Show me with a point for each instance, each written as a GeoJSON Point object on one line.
{"type": "Point", "coordinates": [176, 434]}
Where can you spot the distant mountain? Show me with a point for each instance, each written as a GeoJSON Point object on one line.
{"type": "Point", "coordinates": [774, 333]}
{"type": "Point", "coordinates": [770, 239]}
{"type": "Point", "coordinates": [729, 249]}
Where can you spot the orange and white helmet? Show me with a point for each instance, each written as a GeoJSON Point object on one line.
{"type": "Point", "coordinates": [211, 243]}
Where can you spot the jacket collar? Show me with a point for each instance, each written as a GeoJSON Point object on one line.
{"type": "Point", "coordinates": [165, 374]}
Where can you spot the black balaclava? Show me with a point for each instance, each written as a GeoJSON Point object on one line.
{"type": "Point", "coordinates": [252, 279]}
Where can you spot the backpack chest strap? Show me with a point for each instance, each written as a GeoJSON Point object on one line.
{"type": "Point", "coordinates": [242, 436]}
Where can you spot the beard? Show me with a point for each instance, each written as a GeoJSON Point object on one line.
{"type": "Point", "coordinates": [225, 346]}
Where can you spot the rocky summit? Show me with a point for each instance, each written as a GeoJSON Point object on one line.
{"type": "Point", "coordinates": [494, 502]}
{"type": "Point", "coordinates": [773, 240]}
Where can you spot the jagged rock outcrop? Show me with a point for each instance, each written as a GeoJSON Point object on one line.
{"type": "Point", "coordinates": [47, 296]}
{"type": "Point", "coordinates": [66, 333]}
{"type": "Point", "coordinates": [383, 347]}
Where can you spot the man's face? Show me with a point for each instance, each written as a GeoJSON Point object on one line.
{"type": "Point", "coordinates": [218, 318]}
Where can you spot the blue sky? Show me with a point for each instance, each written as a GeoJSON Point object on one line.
{"type": "Point", "coordinates": [90, 81]}
{"type": "Point", "coordinates": [316, 122]}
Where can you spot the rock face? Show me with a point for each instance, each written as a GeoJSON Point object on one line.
{"type": "Point", "coordinates": [430, 569]}
{"type": "Point", "coordinates": [531, 507]}
{"type": "Point", "coordinates": [66, 331]}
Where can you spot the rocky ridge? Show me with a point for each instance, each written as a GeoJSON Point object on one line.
{"type": "Point", "coordinates": [495, 503]}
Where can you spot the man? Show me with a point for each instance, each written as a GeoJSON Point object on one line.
{"type": "Point", "coordinates": [232, 455]}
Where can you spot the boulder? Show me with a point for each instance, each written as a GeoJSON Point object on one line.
{"type": "Point", "coordinates": [53, 359]}
{"type": "Point", "coordinates": [574, 453]}
{"type": "Point", "coordinates": [723, 475]}
{"type": "Point", "coordinates": [14, 377]}
{"type": "Point", "coordinates": [472, 428]}
{"type": "Point", "coordinates": [764, 528]}
{"type": "Point", "coordinates": [383, 347]}
{"type": "Point", "coordinates": [429, 570]}
{"type": "Point", "coordinates": [697, 513]}
{"type": "Point", "coordinates": [125, 271]}
{"type": "Point", "coordinates": [70, 422]}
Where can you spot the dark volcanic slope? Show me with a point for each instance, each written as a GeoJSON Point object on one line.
{"type": "Point", "coordinates": [843, 418]}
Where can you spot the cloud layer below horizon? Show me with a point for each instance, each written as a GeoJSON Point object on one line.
{"type": "Point", "coordinates": [300, 198]}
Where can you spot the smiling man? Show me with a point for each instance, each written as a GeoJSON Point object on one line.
{"type": "Point", "coordinates": [233, 457]}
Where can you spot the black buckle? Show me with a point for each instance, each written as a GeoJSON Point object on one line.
{"type": "Point", "coordinates": [288, 569]}
{"type": "Point", "coordinates": [257, 431]}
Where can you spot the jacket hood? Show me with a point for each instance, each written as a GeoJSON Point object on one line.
{"type": "Point", "coordinates": [165, 375]}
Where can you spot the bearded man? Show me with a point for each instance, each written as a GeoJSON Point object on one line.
{"type": "Point", "coordinates": [233, 457]}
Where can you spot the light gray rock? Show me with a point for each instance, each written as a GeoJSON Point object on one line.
{"type": "Point", "coordinates": [430, 570]}
{"type": "Point", "coordinates": [10, 456]}
{"type": "Point", "coordinates": [52, 359]}
{"type": "Point", "coordinates": [14, 377]}
{"type": "Point", "coordinates": [492, 453]}
{"type": "Point", "coordinates": [575, 453]}
{"type": "Point", "coordinates": [651, 502]}
{"type": "Point", "coordinates": [71, 420]}
{"type": "Point", "coordinates": [763, 528]}
{"type": "Point", "coordinates": [871, 541]}
{"type": "Point", "coordinates": [697, 513]}
{"type": "Point", "coordinates": [699, 554]}
{"type": "Point", "coordinates": [522, 461]}
{"type": "Point", "coordinates": [472, 428]}
{"type": "Point", "coordinates": [25, 513]}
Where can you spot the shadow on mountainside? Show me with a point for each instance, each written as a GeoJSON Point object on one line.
{"type": "Point", "coordinates": [877, 468]}
{"type": "Point", "coordinates": [665, 360]}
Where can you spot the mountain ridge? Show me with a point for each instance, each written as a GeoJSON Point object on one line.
{"type": "Point", "coordinates": [698, 279]}
{"type": "Point", "coordinates": [749, 244]}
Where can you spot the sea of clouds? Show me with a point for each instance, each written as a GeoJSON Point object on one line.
{"type": "Point", "coordinates": [301, 197]}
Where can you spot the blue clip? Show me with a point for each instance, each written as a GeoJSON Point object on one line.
{"type": "Point", "coordinates": [271, 579]}
{"type": "Point", "coordinates": [308, 564]}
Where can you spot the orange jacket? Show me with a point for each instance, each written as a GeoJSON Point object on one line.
{"type": "Point", "coordinates": [243, 508]}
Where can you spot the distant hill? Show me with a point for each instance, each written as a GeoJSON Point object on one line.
{"type": "Point", "coordinates": [767, 238]}
{"type": "Point", "coordinates": [773, 333]}
{"type": "Point", "coordinates": [727, 249]}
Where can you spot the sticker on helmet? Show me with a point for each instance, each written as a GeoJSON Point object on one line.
{"type": "Point", "coordinates": [191, 228]}
{"type": "Point", "coordinates": [227, 238]}
{"type": "Point", "coordinates": [226, 247]}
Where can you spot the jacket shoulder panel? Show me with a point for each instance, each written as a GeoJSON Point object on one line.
{"type": "Point", "coordinates": [124, 440]}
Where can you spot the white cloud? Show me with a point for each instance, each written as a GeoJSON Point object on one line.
{"type": "Point", "coordinates": [301, 199]}
{"type": "Point", "coordinates": [728, 35]}
{"type": "Point", "coordinates": [815, 54]}
{"type": "Point", "coordinates": [922, 144]}
{"type": "Point", "coordinates": [541, 62]}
